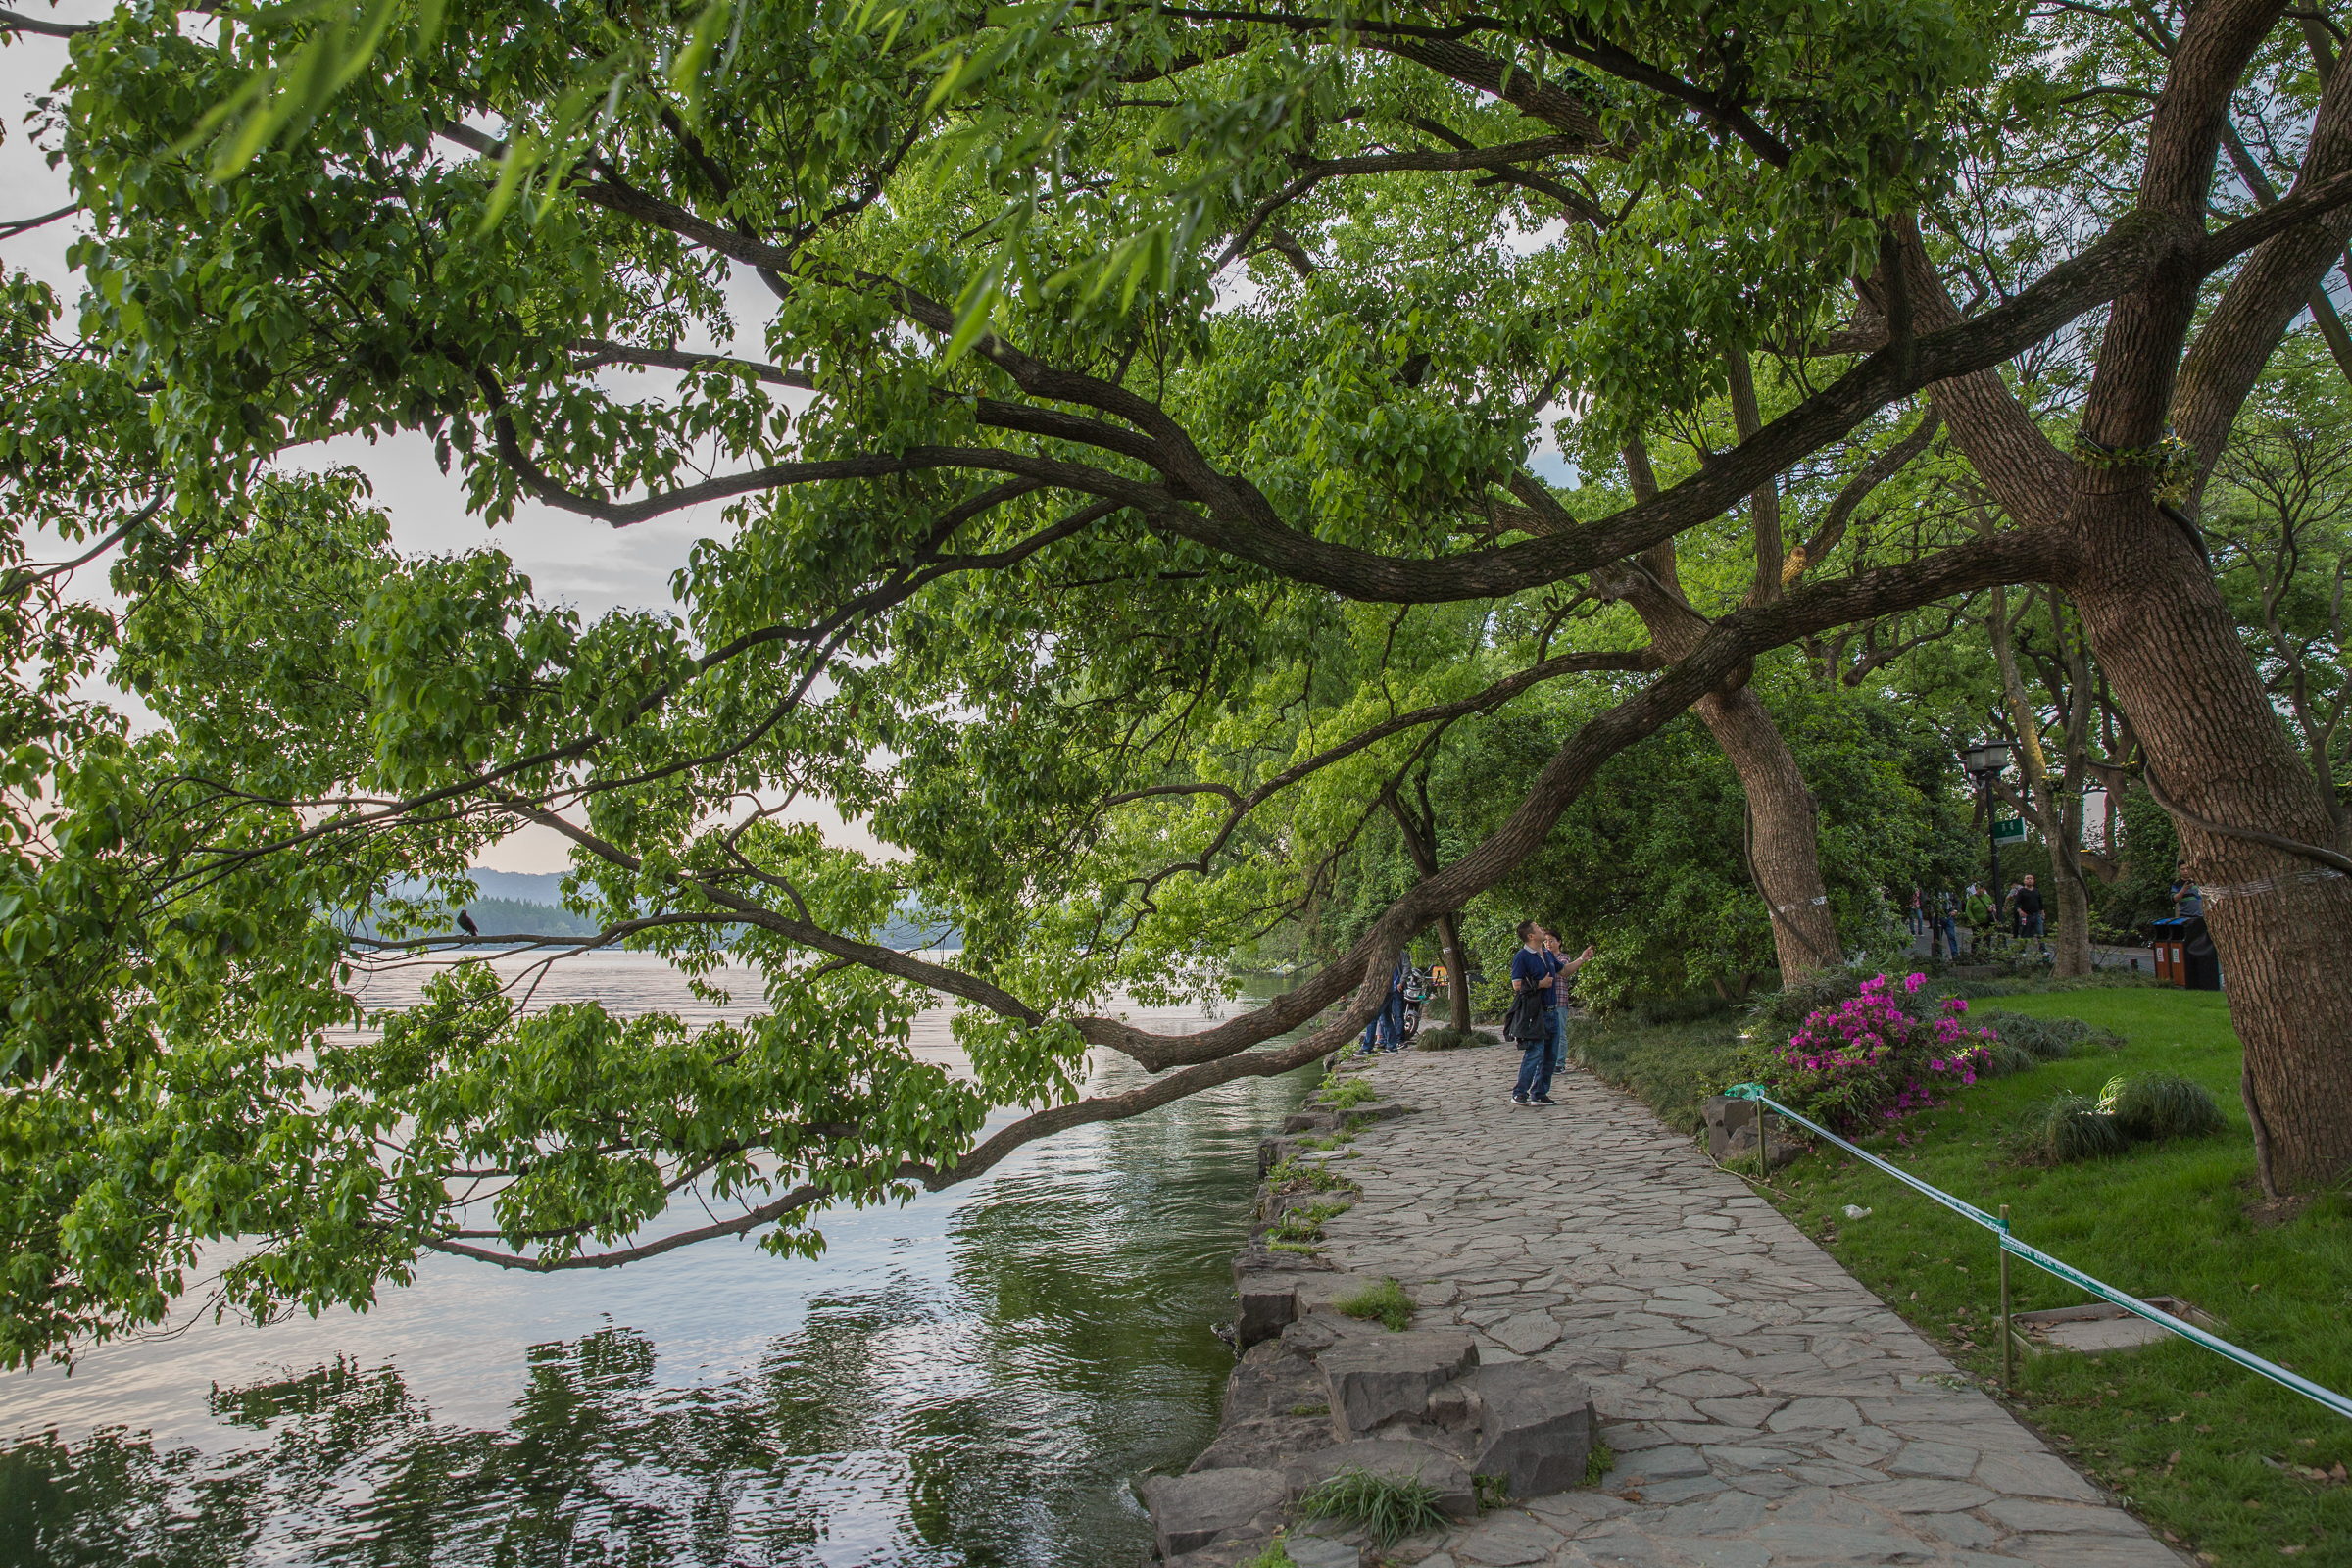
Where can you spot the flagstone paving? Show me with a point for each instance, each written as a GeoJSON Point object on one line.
{"type": "Point", "coordinates": [1764, 1407]}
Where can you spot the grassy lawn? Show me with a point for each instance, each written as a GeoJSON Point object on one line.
{"type": "Point", "coordinates": [2214, 1458]}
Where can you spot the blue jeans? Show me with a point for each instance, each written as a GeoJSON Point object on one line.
{"type": "Point", "coordinates": [1557, 1018]}
{"type": "Point", "coordinates": [1535, 1070]}
{"type": "Point", "coordinates": [1951, 935]}
{"type": "Point", "coordinates": [1387, 1025]}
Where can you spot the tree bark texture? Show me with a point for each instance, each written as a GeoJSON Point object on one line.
{"type": "Point", "coordinates": [2281, 922]}
{"type": "Point", "coordinates": [1458, 974]}
{"type": "Point", "coordinates": [1784, 848]}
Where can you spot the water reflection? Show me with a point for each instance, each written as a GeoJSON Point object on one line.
{"type": "Point", "coordinates": [970, 1380]}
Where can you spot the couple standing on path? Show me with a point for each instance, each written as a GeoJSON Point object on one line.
{"type": "Point", "coordinates": [1537, 1015]}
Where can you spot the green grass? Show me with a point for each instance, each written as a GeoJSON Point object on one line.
{"type": "Point", "coordinates": [2196, 1446]}
{"type": "Point", "coordinates": [1305, 1222]}
{"type": "Point", "coordinates": [1276, 1555]}
{"type": "Point", "coordinates": [1345, 1094]}
{"type": "Point", "coordinates": [1385, 1301]}
{"type": "Point", "coordinates": [1388, 1508]}
{"type": "Point", "coordinates": [1673, 1066]}
{"type": "Point", "coordinates": [1598, 1462]}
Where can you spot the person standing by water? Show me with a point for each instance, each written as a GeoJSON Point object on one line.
{"type": "Point", "coordinates": [1533, 980]}
{"type": "Point", "coordinates": [1555, 1001]}
{"type": "Point", "coordinates": [1387, 1027]}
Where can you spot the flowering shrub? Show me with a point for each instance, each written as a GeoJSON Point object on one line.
{"type": "Point", "coordinates": [1874, 1058]}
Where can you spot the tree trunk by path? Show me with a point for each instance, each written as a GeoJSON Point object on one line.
{"type": "Point", "coordinates": [2217, 755]}
{"type": "Point", "coordinates": [1784, 849]}
{"type": "Point", "coordinates": [1421, 844]}
{"type": "Point", "coordinates": [2281, 921]}
{"type": "Point", "coordinates": [1457, 975]}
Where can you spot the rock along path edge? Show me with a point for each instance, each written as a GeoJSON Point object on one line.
{"type": "Point", "coordinates": [1763, 1407]}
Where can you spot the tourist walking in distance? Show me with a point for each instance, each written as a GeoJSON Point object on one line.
{"type": "Point", "coordinates": [1947, 910]}
{"type": "Point", "coordinates": [1528, 1024]}
{"type": "Point", "coordinates": [2029, 910]}
{"type": "Point", "coordinates": [1556, 1000]}
{"type": "Point", "coordinates": [1914, 914]}
{"type": "Point", "coordinates": [1978, 911]}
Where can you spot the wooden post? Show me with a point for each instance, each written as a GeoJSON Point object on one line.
{"type": "Point", "coordinates": [2008, 1334]}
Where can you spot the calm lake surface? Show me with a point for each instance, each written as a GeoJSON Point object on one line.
{"type": "Point", "coordinates": [969, 1379]}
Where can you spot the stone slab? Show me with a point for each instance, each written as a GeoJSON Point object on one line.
{"type": "Point", "coordinates": [1190, 1511]}
{"type": "Point", "coordinates": [1371, 1382]}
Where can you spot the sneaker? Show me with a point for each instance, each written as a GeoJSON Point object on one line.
{"type": "Point", "coordinates": [1521, 1100]}
{"type": "Point", "coordinates": [1543, 1100]}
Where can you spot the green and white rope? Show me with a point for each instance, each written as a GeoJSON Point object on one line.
{"type": "Point", "coordinates": [2050, 1265]}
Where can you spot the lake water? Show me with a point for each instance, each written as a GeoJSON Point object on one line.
{"type": "Point", "coordinates": [970, 1380]}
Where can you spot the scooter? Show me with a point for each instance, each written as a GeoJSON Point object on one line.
{"type": "Point", "coordinates": [1417, 990]}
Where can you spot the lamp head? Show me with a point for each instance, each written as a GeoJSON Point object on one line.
{"type": "Point", "coordinates": [1986, 757]}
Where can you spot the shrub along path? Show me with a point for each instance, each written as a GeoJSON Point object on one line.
{"type": "Point", "coordinates": [1763, 1407]}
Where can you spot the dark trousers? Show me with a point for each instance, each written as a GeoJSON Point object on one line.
{"type": "Point", "coordinates": [1386, 1025]}
{"type": "Point", "coordinates": [1535, 1068]}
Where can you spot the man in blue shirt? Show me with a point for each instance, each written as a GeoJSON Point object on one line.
{"type": "Point", "coordinates": [1531, 980]}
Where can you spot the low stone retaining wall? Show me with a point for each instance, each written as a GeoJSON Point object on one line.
{"type": "Point", "coordinates": [1319, 1392]}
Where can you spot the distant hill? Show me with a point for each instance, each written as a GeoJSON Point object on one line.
{"type": "Point", "coordinates": [531, 901]}
{"type": "Point", "coordinates": [505, 917]}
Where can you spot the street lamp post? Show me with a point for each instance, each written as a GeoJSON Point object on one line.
{"type": "Point", "coordinates": [1986, 761]}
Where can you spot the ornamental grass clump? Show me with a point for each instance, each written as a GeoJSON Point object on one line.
{"type": "Point", "coordinates": [1387, 1509]}
{"type": "Point", "coordinates": [2064, 1128]}
{"type": "Point", "coordinates": [1874, 1057]}
{"type": "Point", "coordinates": [2148, 1105]}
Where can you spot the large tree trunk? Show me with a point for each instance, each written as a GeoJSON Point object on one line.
{"type": "Point", "coordinates": [1785, 844]}
{"type": "Point", "coordinates": [2281, 921]}
{"type": "Point", "coordinates": [1784, 849]}
{"type": "Point", "coordinates": [2217, 753]}
{"type": "Point", "coordinates": [1457, 975]}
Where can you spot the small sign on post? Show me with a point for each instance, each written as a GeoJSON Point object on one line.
{"type": "Point", "coordinates": [2008, 829]}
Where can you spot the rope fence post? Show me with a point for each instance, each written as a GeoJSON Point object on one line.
{"type": "Point", "coordinates": [2008, 1333]}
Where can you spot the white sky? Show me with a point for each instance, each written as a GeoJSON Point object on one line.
{"type": "Point", "coordinates": [585, 564]}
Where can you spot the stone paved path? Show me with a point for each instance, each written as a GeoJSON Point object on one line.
{"type": "Point", "coordinates": [1765, 1408]}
